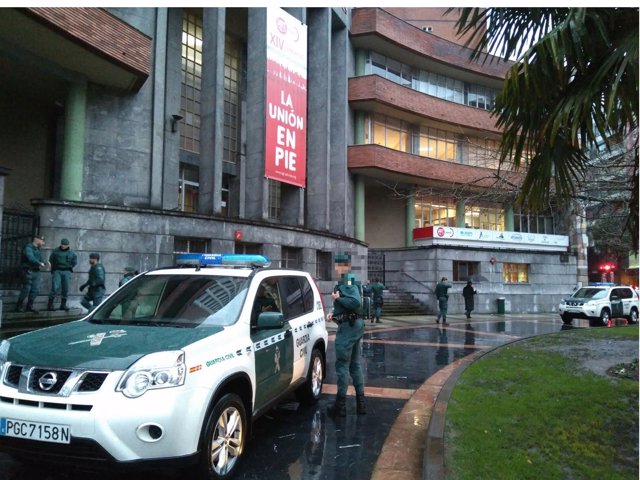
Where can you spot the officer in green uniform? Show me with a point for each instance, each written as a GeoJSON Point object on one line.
{"type": "Point", "coordinates": [129, 273]}
{"type": "Point", "coordinates": [62, 261]}
{"type": "Point", "coordinates": [376, 290]}
{"type": "Point", "coordinates": [347, 313]}
{"type": "Point", "coordinates": [442, 295]}
{"type": "Point", "coordinates": [96, 291]}
{"type": "Point", "coordinates": [31, 265]}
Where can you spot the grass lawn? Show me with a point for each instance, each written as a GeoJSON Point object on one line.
{"type": "Point", "coordinates": [534, 410]}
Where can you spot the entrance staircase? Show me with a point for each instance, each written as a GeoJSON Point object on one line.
{"type": "Point", "coordinates": [399, 302]}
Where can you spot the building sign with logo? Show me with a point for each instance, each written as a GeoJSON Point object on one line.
{"type": "Point", "coordinates": [441, 235]}
{"type": "Point", "coordinates": [286, 129]}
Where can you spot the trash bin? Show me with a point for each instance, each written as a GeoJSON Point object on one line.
{"type": "Point", "coordinates": [501, 301]}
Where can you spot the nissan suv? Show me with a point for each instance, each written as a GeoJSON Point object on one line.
{"type": "Point", "coordinates": [173, 366]}
{"type": "Point", "coordinates": [600, 303]}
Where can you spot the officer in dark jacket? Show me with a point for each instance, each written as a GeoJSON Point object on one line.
{"type": "Point", "coordinates": [442, 289]}
{"type": "Point", "coordinates": [96, 291]}
{"type": "Point", "coordinates": [468, 292]}
{"type": "Point", "coordinates": [347, 313]}
{"type": "Point", "coordinates": [31, 265]}
{"type": "Point", "coordinates": [62, 261]}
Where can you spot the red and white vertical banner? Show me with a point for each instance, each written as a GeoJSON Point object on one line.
{"type": "Point", "coordinates": [286, 132]}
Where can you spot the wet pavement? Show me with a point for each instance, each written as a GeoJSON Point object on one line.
{"type": "Point", "coordinates": [406, 361]}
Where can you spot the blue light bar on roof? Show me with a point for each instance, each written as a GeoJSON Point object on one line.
{"type": "Point", "coordinates": [221, 259]}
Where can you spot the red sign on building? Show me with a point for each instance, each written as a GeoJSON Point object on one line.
{"type": "Point", "coordinates": [286, 129]}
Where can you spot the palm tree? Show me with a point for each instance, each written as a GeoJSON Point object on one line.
{"type": "Point", "coordinates": [575, 82]}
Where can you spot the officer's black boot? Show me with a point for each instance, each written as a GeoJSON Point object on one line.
{"type": "Point", "coordinates": [338, 409]}
{"type": "Point", "coordinates": [63, 305]}
{"type": "Point", "coordinates": [50, 305]}
{"type": "Point", "coordinates": [30, 307]}
{"type": "Point", "coordinates": [19, 307]}
{"type": "Point", "coordinates": [361, 405]}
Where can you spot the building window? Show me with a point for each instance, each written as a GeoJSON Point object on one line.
{"type": "Point", "coordinates": [248, 248]}
{"type": "Point", "coordinates": [528, 223]}
{"type": "Point", "coordinates": [463, 270]}
{"type": "Point", "coordinates": [275, 197]}
{"type": "Point", "coordinates": [191, 79]}
{"type": "Point", "coordinates": [291, 258]}
{"type": "Point", "coordinates": [188, 186]}
{"type": "Point", "coordinates": [439, 144]}
{"type": "Point", "coordinates": [388, 132]}
{"type": "Point", "coordinates": [224, 203]}
{"type": "Point", "coordinates": [515, 273]}
{"type": "Point", "coordinates": [435, 211]}
{"type": "Point", "coordinates": [434, 84]}
{"type": "Point", "coordinates": [484, 218]}
{"type": "Point", "coordinates": [232, 73]}
{"type": "Point", "coordinates": [190, 245]}
{"type": "Point", "coordinates": [324, 267]}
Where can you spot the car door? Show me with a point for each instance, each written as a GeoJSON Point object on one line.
{"type": "Point", "coordinates": [299, 308]}
{"type": "Point", "coordinates": [616, 300]}
{"type": "Point", "coordinates": [273, 344]}
{"type": "Point", "coordinates": [627, 300]}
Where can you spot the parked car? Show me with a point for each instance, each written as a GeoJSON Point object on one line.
{"type": "Point", "coordinates": [173, 366]}
{"type": "Point", "coordinates": [601, 303]}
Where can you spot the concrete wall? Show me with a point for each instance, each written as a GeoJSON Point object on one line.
{"type": "Point", "coordinates": [385, 219]}
{"type": "Point", "coordinates": [144, 239]}
{"type": "Point", "coordinates": [417, 270]}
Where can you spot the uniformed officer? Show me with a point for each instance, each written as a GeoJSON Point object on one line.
{"type": "Point", "coordinates": [62, 261]}
{"type": "Point", "coordinates": [31, 265]}
{"type": "Point", "coordinates": [128, 274]}
{"type": "Point", "coordinates": [378, 301]}
{"type": "Point", "coordinates": [347, 313]}
{"type": "Point", "coordinates": [442, 289]}
{"type": "Point", "coordinates": [96, 291]}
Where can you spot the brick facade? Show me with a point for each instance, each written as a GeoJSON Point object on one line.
{"type": "Point", "coordinates": [372, 88]}
{"type": "Point", "coordinates": [377, 22]}
{"type": "Point", "coordinates": [101, 32]}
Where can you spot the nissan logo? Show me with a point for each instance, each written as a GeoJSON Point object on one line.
{"type": "Point", "coordinates": [47, 381]}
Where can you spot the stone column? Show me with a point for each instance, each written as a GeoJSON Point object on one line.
{"type": "Point", "coordinates": [509, 224]}
{"type": "Point", "coordinates": [410, 211]}
{"type": "Point", "coordinates": [212, 111]}
{"type": "Point", "coordinates": [460, 220]}
{"type": "Point", "coordinates": [255, 185]}
{"type": "Point", "coordinates": [359, 208]}
{"type": "Point", "coordinates": [159, 108]}
{"type": "Point", "coordinates": [71, 178]}
{"type": "Point", "coordinates": [318, 108]}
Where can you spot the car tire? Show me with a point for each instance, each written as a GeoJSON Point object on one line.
{"type": "Point", "coordinates": [566, 319]}
{"type": "Point", "coordinates": [605, 317]}
{"type": "Point", "coordinates": [633, 316]}
{"type": "Point", "coordinates": [223, 439]}
{"type": "Point", "coordinates": [309, 392]}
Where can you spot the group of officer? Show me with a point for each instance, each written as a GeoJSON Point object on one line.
{"type": "Point", "coordinates": [62, 261]}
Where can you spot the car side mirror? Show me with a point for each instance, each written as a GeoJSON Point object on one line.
{"type": "Point", "coordinates": [270, 320]}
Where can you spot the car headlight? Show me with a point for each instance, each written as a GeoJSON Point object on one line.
{"type": "Point", "coordinates": [153, 371]}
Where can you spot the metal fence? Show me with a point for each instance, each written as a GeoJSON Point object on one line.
{"type": "Point", "coordinates": [18, 227]}
{"type": "Point", "coordinates": [375, 265]}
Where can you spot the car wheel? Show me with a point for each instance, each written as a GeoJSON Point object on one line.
{"type": "Point", "coordinates": [566, 319]}
{"type": "Point", "coordinates": [224, 438]}
{"type": "Point", "coordinates": [310, 391]}
{"type": "Point", "coordinates": [633, 316]}
{"type": "Point", "coordinates": [605, 317]}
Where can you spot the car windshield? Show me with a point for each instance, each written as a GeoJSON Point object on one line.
{"type": "Point", "coordinates": [594, 293]}
{"type": "Point", "coordinates": [175, 301]}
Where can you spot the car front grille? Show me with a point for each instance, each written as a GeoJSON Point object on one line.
{"type": "Point", "coordinates": [52, 381]}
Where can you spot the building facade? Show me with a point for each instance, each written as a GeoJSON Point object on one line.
{"type": "Point", "coordinates": [140, 132]}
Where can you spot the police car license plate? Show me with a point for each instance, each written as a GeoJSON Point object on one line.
{"type": "Point", "coordinates": [45, 432]}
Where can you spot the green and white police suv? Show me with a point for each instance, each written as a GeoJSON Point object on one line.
{"type": "Point", "coordinates": [173, 366]}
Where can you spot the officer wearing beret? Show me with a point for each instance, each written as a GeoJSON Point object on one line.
{"type": "Point", "coordinates": [347, 313]}
{"type": "Point", "coordinates": [31, 265]}
{"type": "Point", "coordinates": [62, 261]}
{"type": "Point", "coordinates": [96, 291]}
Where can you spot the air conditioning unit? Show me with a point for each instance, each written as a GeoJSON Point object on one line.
{"type": "Point", "coordinates": [427, 28]}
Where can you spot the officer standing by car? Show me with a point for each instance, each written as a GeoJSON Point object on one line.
{"type": "Point", "coordinates": [347, 313]}
{"type": "Point", "coordinates": [96, 291]}
{"type": "Point", "coordinates": [31, 265]}
{"type": "Point", "coordinates": [62, 261]}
